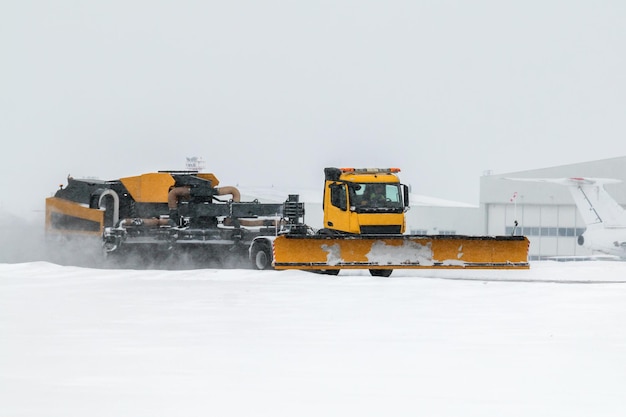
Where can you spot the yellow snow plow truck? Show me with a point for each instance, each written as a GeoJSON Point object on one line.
{"type": "Point", "coordinates": [173, 215]}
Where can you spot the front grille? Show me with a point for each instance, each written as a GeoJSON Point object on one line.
{"type": "Point", "coordinates": [380, 230]}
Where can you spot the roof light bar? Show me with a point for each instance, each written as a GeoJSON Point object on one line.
{"type": "Point", "coordinates": [371, 170]}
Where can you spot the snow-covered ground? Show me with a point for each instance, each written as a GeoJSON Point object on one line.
{"type": "Point", "coordinates": [549, 341]}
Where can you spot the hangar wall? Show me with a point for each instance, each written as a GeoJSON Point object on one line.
{"type": "Point", "coordinates": [444, 220]}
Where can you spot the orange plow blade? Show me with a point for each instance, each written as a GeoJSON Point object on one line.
{"type": "Point", "coordinates": [398, 252]}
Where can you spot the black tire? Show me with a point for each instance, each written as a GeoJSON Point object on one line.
{"type": "Point", "coordinates": [261, 256]}
{"type": "Point", "coordinates": [381, 272]}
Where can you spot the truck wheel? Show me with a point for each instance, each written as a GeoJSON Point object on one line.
{"type": "Point", "coordinates": [261, 257]}
{"type": "Point", "coordinates": [381, 272]}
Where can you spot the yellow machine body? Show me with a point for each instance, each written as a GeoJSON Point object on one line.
{"type": "Point", "coordinates": [364, 224]}
{"type": "Point", "coordinates": [154, 187]}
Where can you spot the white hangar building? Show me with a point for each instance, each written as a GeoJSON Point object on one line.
{"type": "Point", "coordinates": [544, 212]}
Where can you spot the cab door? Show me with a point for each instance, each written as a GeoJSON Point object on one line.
{"type": "Point", "coordinates": [337, 214]}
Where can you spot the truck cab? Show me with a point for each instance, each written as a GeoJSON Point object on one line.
{"type": "Point", "coordinates": [364, 201]}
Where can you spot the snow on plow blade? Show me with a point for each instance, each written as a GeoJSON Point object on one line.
{"type": "Point", "coordinates": [398, 252]}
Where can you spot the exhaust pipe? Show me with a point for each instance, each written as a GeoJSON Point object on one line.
{"type": "Point", "coordinates": [230, 190]}
{"type": "Point", "coordinates": [116, 203]}
{"type": "Point", "coordinates": [178, 193]}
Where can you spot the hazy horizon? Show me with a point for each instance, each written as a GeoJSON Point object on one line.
{"type": "Point", "coordinates": [271, 93]}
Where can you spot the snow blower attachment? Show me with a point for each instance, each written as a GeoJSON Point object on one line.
{"type": "Point", "coordinates": [168, 215]}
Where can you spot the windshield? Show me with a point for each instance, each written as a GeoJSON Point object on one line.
{"type": "Point", "coordinates": [374, 195]}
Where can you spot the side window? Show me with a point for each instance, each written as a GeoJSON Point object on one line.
{"type": "Point", "coordinates": [355, 193]}
{"type": "Point", "coordinates": [338, 196]}
{"type": "Point", "coordinates": [393, 194]}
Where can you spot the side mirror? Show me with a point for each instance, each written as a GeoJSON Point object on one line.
{"type": "Point", "coordinates": [405, 191]}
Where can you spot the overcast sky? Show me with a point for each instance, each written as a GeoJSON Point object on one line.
{"type": "Point", "coordinates": [271, 92]}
